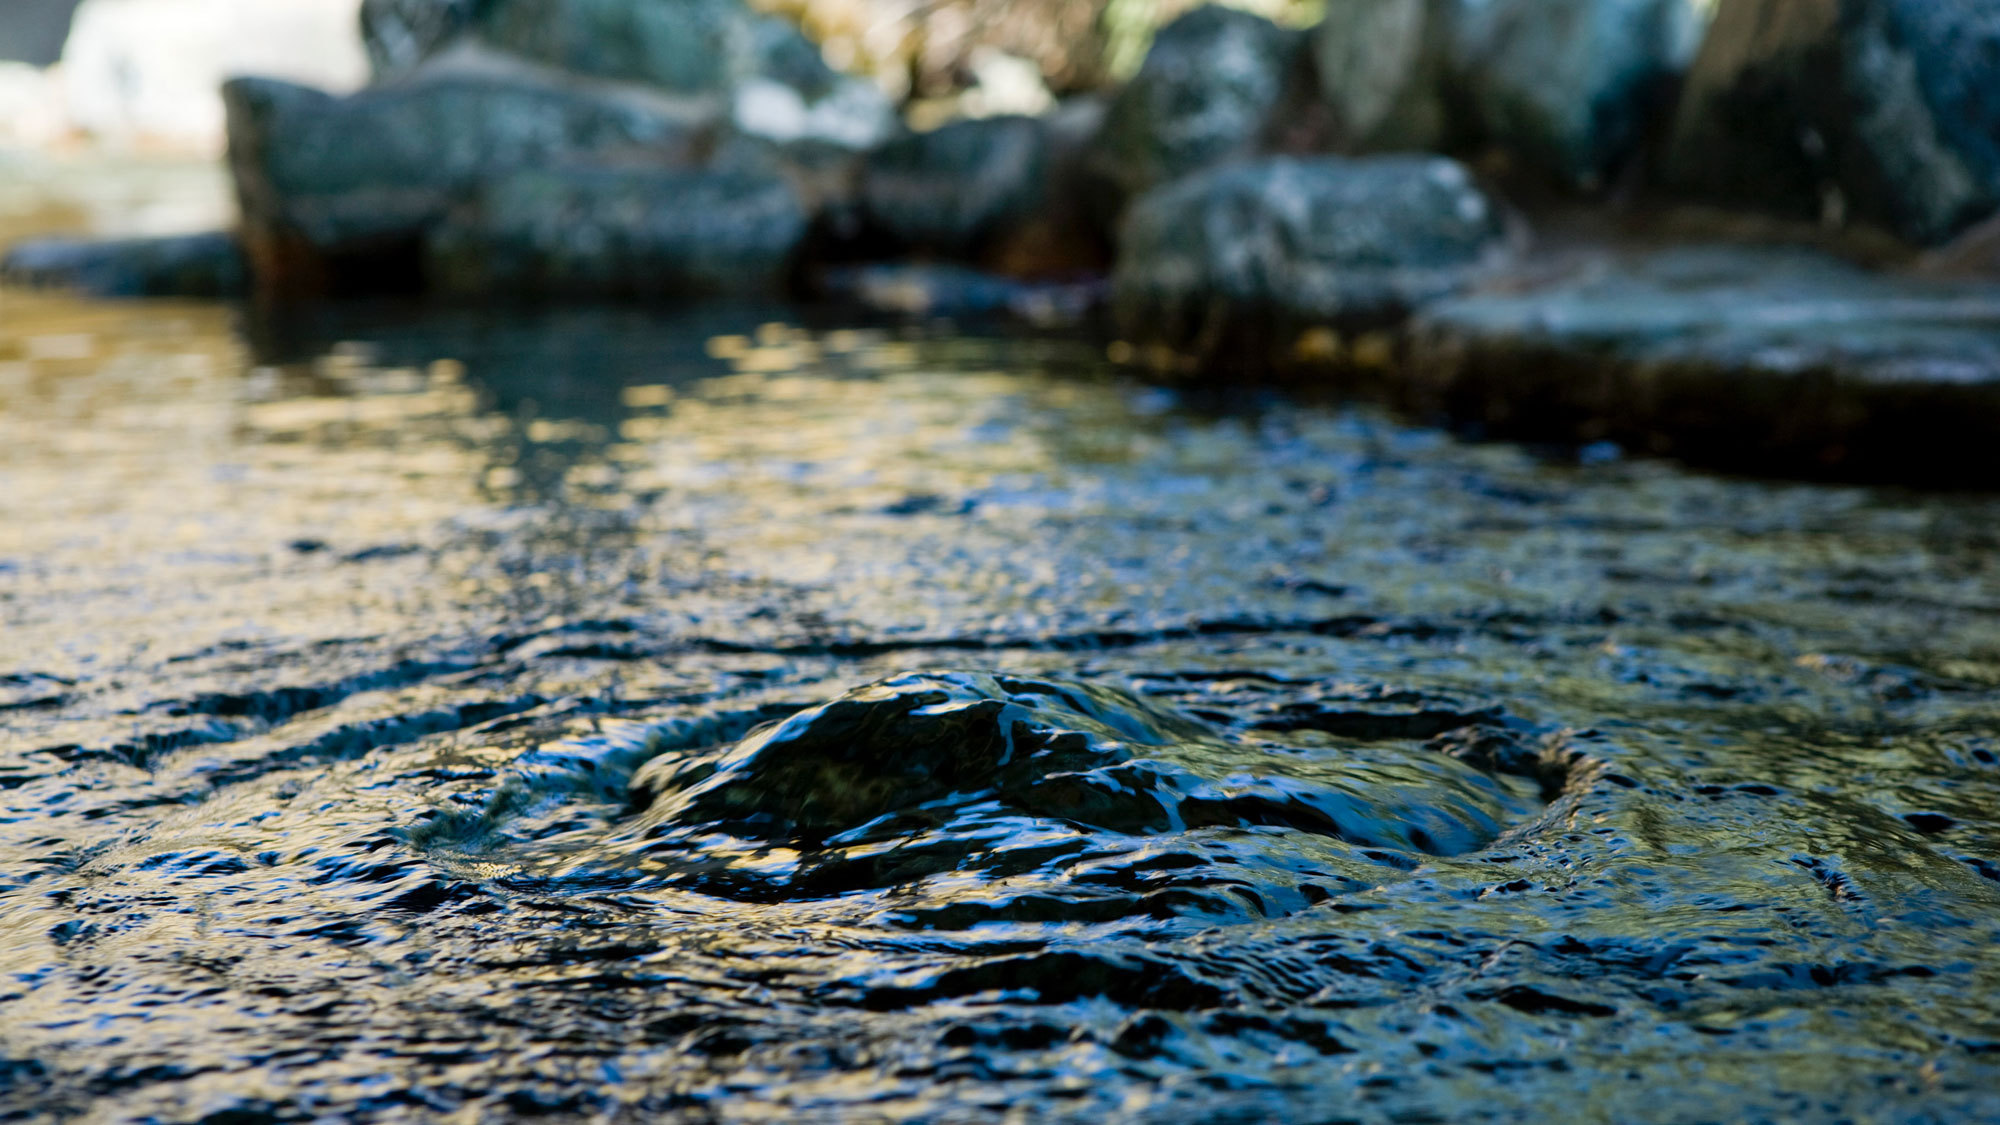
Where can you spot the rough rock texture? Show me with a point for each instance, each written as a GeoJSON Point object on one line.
{"type": "Point", "coordinates": [1233, 263]}
{"type": "Point", "coordinates": [1886, 111]}
{"type": "Point", "coordinates": [193, 265]}
{"type": "Point", "coordinates": [1566, 85]}
{"type": "Point", "coordinates": [1761, 360]}
{"type": "Point", "coordinates": [328, 186]}
{"type": "Point", "coordinates": [1205, 95]}
{"type": "Point", "coordinates": [779, 84]}
{"type": "Point", "coordinates": [621, 232]}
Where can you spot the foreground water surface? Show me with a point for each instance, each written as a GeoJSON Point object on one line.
{"type": "Point", "coordinates": [712, 715]}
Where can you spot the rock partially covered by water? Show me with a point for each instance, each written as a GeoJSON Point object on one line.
{"type": "Point", "coordinates": [335, 190]}
{"type": "Point", "coordinates": [915, 752]}
{"type": "Point", "coordinates": [1205, 95]}
{"type": "Point", "coordinates": [1886, 111]}
{"type": "Point", "coordinates": [1235, 262]}
{"type": "Point", "coordinates": [1568, 86]}
{"type": "Point", "coordinates": [621, 232]}
{"type": "Point", "coordinates": [192, 265]}
{"type": "Point", "coordinates": [1759, 360]}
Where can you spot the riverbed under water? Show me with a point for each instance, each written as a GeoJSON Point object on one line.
{"type": "Point", "coordinates": [724, 714]}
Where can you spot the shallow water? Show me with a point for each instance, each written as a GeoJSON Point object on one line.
{"type": "Point", "coordinates": [711, 715]}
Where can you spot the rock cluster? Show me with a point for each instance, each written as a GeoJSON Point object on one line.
{"type": "Point", "coordinates": [1260, 197]}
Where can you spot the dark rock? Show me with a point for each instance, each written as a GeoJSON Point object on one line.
{"type": "Point", "coordinates": [916, 750]}
{"type": "Point", "coordinates": [1206, 94]}
{"type": "Point", "coordinates": [1233, 263]}
{"type": "Point", "coordinates": [1567, 86]}
{"type": "Point", "coordinates": [1770, 361]}
{"type": "Point", "coordinates": [1383, 67]}
{"type": "Point", "coordinates": [330, 187]}
{"type": "Point", "coordinates": [621, 232]}
{"type": "Point", "coordinates": [688, 46]}
{"type": "Point", "coordinates": [1884, 111]}
{"type": "Point", "coordinates": [193, 265]}
{"type": "Point", "coordinates": [958, 189]}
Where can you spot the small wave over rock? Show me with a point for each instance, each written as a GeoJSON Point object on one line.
{"type": "Point", "coordinates": [994, 778]}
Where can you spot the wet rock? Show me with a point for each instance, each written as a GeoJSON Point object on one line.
{"type": "Point", "coordinates": [1760, 360]}
{"type": "Point", "coordinates": [925, 747]}
{"type": "Point", "coordinates": [620, 232]}
{"type": "Point", "coordinates": [1235, 262]}
{"type": "Point", "coordinates": [1884, 111]}
{"type": "Point", "coordinates": [1205, 95]}
{"type": "Point", "coordinates": [1567, 86]}
{"type": "Point", "coordinates": [334, 188]}
{"type": "Point", "coordinates": [194, 265]}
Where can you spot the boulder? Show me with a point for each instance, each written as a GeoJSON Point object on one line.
{"type": "Point", "coordinates": [1234, 263]}
{"type": "Point", "coordinates": [779, 84]}
{"type": "Point", "coordinates": [620, 232]}
{"type": "Point", "coordinates": [956, 191]}
{"type": "Point", "coordinates": [192, 265]}
{"type": "Point", "coordinates": [1569, 87]}
{"type": "Point", "coordinates": [1771, 361]}
{"type": "Point", "coordinates": [332, 186]}
{"type": "Point", "coordinates": [1884, 111]}
{"type": "Point", "coordinates": [399, 34]}
{"type": "Point", "coordinates": [1206, 94]}
{"type": "Point", "coordinates": [1383, 67]}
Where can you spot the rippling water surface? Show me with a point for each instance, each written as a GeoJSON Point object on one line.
{"type": "Point", "coordinates": [708, 715]}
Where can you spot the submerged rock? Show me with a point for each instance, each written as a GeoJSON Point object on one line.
{"type": "Point", "coordinates": [1760, 360]}
{"type": "Point", "coordinates": [1205, 95]}
{"type": "Point", "coordinates": [1567, 86]}
{"type": "Point", "coordinates": [1234, 263]}
{"type": "Point", "coordinates": [1886, 111]}
{"type": "Point", "coordinates": [927, 773]}
{"type": "Point", "coordinates": [1081, 801]}
{"type": "Point", "coordinates": [191, 265]}
{"type": "Point", "coordinates": [331, 187]}
{"type": "Point", "coordinates": [620, 232]}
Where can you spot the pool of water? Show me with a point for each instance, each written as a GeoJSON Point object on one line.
{"type": "Point", "coordinates": [730, 713]}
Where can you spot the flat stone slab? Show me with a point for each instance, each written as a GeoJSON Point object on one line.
{"type": "Point", "coordinates": [190, 265]}
{"type": "Point", "coordinates": [1772, 361]}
